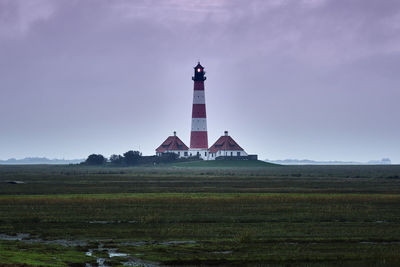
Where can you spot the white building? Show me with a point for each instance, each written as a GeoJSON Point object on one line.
{"type": "Point", "coordinates": [225, 146]}
{"type": "Point", "coordinates": [173, 145]}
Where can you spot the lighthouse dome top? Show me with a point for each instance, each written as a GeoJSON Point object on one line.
{"type": "Point", "coordinates": [199, 66]}
{"type": "Point", "coordinates": [199, 73]}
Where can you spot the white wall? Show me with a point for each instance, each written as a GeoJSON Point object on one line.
{"type": "Point", "coordinates": [209, 156]}
{"type": "Point", "coordinates": [204, 154]}
{"type": "Point", "coordinates": [181, 153]}
{"type": "Point", "coordinates": [227, 153]}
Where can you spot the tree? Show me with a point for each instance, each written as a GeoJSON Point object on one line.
{"type": "Point", "coordinates": [132, 157]}
{"type": "Point", "coordinates": [95, 159]}
{"type": "Point", "coordinates": [116, 159]}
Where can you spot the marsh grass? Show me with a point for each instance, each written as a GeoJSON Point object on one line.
{"type": "Point", "coordinates": [345, 215]}
{"type": "Point", "coordinates": [171, 179]}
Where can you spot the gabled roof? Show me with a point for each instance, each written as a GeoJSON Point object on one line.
{"type": "Point", "coordinates": [172, 143]}
{"type": "Point", "coordinates": [225, 142]}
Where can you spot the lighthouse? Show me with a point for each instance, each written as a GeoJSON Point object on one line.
{"type": "Point", "coordinates": [198, 135]}
{"type": "Point", "coordinates": [224, 148]}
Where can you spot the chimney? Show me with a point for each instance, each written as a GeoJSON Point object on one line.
{"type": "Point", "coordinates": [174, 133]}
{"type": "Point", "coordinates": [226, 133]}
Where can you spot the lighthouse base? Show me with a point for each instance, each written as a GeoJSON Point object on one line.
{"type": "Point", "coordinates": [201, 152]}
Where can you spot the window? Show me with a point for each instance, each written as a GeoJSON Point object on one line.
{"type": "Point", "coordinates": [185, 154]}
{"type": "Point", "coordinates": [231, 153]}
{"type": "Point", "coordinates": [205, 154]}
{"type": "Point", "coordinates": [179, 153]}
{"type": "Point", "coordinates": [238, 154]}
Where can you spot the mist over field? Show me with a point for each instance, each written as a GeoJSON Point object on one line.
{"type": "Point", "coordinates": [384, 161]}
{"type": "Point", "coordinates": [38, 160]}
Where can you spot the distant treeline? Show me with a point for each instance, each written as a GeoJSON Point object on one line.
{"type": "Point", "coordinates": [133, 158]}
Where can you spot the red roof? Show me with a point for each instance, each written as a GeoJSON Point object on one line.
{"type": "Point", "coordinates": [172, 143]}
{"type": "Point", "coordinates": [225, 142]}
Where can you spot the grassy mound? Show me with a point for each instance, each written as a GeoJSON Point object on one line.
{"type": "Point", "coordinates": [225, 164]}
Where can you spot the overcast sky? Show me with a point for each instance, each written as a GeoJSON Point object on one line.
{"type": "Point", "coordinates": [316, 79]}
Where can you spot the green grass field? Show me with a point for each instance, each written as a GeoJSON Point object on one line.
{"type": "Point", "coordinates": [200, 213]}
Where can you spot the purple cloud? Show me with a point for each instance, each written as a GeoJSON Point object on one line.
{"type": "Point", "coordinates": [287, 78]}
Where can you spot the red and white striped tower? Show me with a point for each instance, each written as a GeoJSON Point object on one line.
{"type": "Point", "coordinates": [198, 135]}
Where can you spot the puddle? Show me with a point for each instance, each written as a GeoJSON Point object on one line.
{"type": "Point", "coordinates": [112, 252]}
{"type": "Point", "coordinates": [166, 243]}
{"type": "Point", "coordinates": [223, 252]}
{"type": "Point", "coordinates": [17, 237]}
{"type": "Point", "coordinates": [117, 254]}
{"type": "Point", "coordinates": [130, 260]}
{"type": "Point", "coordinates": [24, 238]}
{"type": "Point", "coordinates": [15, 182]}
{"type": "Point", "coordinates": [141, 263]}
{"type": "Point", "coordinates": [101, 222]}
{"type": "Point", "coordinates": [179, 242]}
{"type": "Point", "coordinates": [110, 222]}
{"type": "Point", "coordinates": [100, 262]}
{"type": "Point", "coordinates": [138, 243]}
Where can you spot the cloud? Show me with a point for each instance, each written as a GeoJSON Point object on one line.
{"type": "Point", "coordinates": [18, 16]}
{"type": "Point", "coordinates": [318, 31]}
{"type": "Point", "coordinates": [68, 66]}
